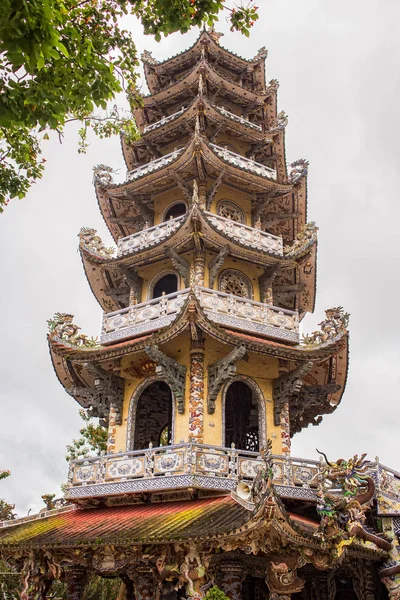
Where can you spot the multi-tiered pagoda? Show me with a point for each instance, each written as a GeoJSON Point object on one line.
{"type": "Point", "coordinates": [200, 374]}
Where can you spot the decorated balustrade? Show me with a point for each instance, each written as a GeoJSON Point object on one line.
{"type": "Point", "coordinates": [142, 318]}
{"type": "Point", "coordinates": [224, 309]}
{"type": "Point", "coordinates": [244, 163]}
{"type": "Point", "coordinates": [164, 120]}
{"type": "Point", "coordinates": [180, 466]}
{"type": "Point", "coordinates": [248, 315]}
{"type": "Point", "coordinates": [148, 237]}
{"type": "Point", "coordinates": [238, 119]}
{"type": "Point", "coordinates": [153, 165]}
{"type": "Point", "coordinates": [214, 468]}
{"type": "Point", "coordinates": [251, 237]}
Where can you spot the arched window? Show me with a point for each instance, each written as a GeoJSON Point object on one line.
{"type": "Point", "coordinates": [231, 211]}
{"type": "Point", "coordinates": [167, 284]}
{"type": "Point", "coordinates": [176, 210]}
{"type": "Point", "coordinates": [236, 283]}
{"type": "Point", "coordinates": [242, 417]}
{"type": "Point", "coordinates": [152, 418]}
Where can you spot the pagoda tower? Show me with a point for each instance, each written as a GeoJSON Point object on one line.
{"type": "Point", "coordinates": [200, 375]}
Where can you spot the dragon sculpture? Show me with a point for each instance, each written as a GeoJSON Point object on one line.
{"type": "Point", "coordinates": [103, 175]}
{"type": "Point", "coordinates": [304, 239]}
{"type": "Point", "coordinates": [299, 170]}
{"type": "Point", "coordinates": [336, 323]}
{"type": "Point", "coordinates": [344, 494]}
{"type": "Point", "coordinates": [93, 242]}
{"type": "Point", "coordinates": [62, 326]}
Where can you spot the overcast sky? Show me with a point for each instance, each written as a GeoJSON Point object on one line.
{"type": "Point", "coordinates": [338, 65]}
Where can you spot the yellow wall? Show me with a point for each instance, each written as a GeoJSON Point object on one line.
{"type": "Point", "coordinates": [261, 369]}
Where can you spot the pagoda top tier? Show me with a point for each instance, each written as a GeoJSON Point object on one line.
{"type": "Point", "coordinates": [248, 73]}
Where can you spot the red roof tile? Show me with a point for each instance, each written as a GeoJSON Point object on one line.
{"type": "Point", "coordinates": [130, 524]}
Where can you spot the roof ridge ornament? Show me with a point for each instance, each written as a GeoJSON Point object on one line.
{"type": "Point", "coordinates": [102, 175]}
{"type": "Point", "coordinates": [92, 242]}
{"type": "Point", "coordinates": [62, 326]}
{"type": "Point", "coordinates": [148, 58]}
{"type": "Point", "coordinates": [334, 325]}
{"type": "Point", "coordinates": [299, 170]}
{"type": "Point", "coordinates": [305, 238]}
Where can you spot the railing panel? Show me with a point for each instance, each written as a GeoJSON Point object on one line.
{"type": "Point", "coordinates": [247, 315]}
{"type": "Point", "coordinates": [244, 163]}
{"type": "Point", "coordinates": [251, 237]}
{"type": "Point", "coordinates": [142, 318]}
{"type": "Point", "coordinates": [148, 237]}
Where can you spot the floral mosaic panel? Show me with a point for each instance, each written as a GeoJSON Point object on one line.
{"type": "Point", "coordinates": [129, 467]}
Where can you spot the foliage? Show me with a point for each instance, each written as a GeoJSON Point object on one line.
{"type": "Point", "coordinates": [215, 593]}
{"type": "Point", "coordinates": [6, 509]}
{"type": "Point", "coordinates": [99, 588]}
{"type": "Point", "coordinates": [9, 582]}
{"type": "Point", "coordinates": [93, 439]}
{"type": "Point", "coordinates": [60, 60]}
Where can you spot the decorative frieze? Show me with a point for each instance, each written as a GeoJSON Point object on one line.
{"type": "Point", "coordinates": [244, 163]}
{"type": "Point", "coordinates": [147, 238]}
{"type": "Point", "coordinates": [154, 165]}
{"type": "Point", "coordinates": [238, 119]}
{"type": "Point", "coordinates": [220, 373]}
{"type": "Point", "coordinates": [248, 236]}
{"type": "Point", "coordinates": [164, 120]}
{"type": "Point", "coordinates": [248, 315]}
{"type": "Point", "coordinates": [143, 317]}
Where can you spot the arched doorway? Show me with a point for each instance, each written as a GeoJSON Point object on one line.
{"type": "Point", "coordinates": [176, 210]}
{"type": "Point", "coordinates": [153, 416]}
{"type": "Point", "coordinates": [168, 284]}
{"type": "Point", "coordinates": [242, 417]}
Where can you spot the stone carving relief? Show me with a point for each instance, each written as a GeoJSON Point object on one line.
{"type": "Point", "coordinates": [231, 211]}
{"type": "Point", "coordinates": [236, 283]}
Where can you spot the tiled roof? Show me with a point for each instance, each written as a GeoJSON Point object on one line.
{"type": "Point", "coordinates": [129, 524]}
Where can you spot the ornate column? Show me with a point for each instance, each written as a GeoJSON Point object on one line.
{"type": "Point", "coordinates": [129, 587]}
{"type": "Point", "coordinates": [196, 399]}
{"type": "Point", "coordinates": [112, 428]}
{"type": "Point", "coordinates": [274, 596]}
{"type": "Point", "coordinates": [231, 579]}
{"type": "Point", "coordinates": [76, 580]}
{"type": "Point", "coordinates": [285, 429]}
{"type": "Point", "coordinates": [199, 268]}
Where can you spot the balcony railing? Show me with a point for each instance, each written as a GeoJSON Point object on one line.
{"type": "Point", "coordinates": [148, 237]}
{"type": "Point", "coordinates": [247, 315]}
{"type": "Point", "coordinates": [153, 165]}
{"type": "Point", "coordinates": [251, 237]}
{"type": "Point", "coordinates": [238, 119]}
{"type": "Point", "coordinates": [214, 468]}
{"type": "Point", "coordinates": [164, 120]}
{"type": "Point", "coordinates": [143, 317]}
{"type": "Point", "coordinates": [181, 465]}
{"type": "Point", "coordinates": [223, 309]}
{"type": "Point", "coordinates": [244, 163]}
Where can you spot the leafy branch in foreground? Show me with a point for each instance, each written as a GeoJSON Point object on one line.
{"type": "Point", "coordinates": [61, 60]}
{"type": "Point", "coordinates": [6, 509]}
{"type": "Point", "coordinates": [93, 440]}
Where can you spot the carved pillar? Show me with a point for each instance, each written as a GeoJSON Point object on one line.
{"type": "Point", "coordinates": [196, 400]}
{"type": "Point", "coordinates": [202, 191]}
{"type": "Point", "coordinates": [199, 267]}
{"type": "Point", "coordinates": [323, 584]}
{"type": "Point", "coordinates": [274, 596]}
{"type": "Point", "coordinates": [285, 429]}
{"type": "Point", "coordinates": [363, 581]}
{"type": "Point", "coordinates": [143, 581]}
{"type": "Point", "coordinates": [112, 429]}
{"type": "Point", "coordinates": [76, 580]}
{"type": "Point", "coordinates": [231, 579]}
